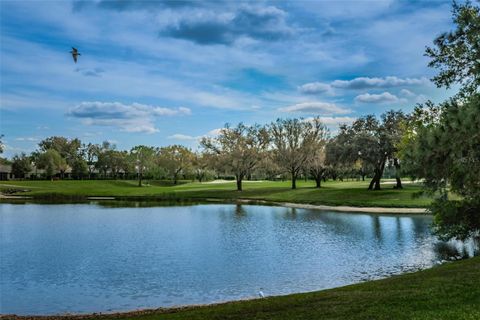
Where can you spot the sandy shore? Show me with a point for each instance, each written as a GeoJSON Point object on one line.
{"type": "Point", "coordinates": [339, 208]}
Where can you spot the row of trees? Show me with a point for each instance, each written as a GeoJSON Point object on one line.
{"type": "Point", "coordinates": [285, 147]}
{"type": "Point", "coordinates": [59, 154]}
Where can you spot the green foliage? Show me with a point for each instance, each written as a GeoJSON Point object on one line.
{"type": "Point", "coordinates": [456, 219]}
{"type": "Point", "coordinates": [442, 144]}
{"type": "Point", "coordinates": [21, 165]}
{"type": "Point", "coordinates": [457, 53]}
{"type": "Point", "coordinates": [51, 161]}
{"type": "Point", "coordinates": [237, 150]}
{"type": "Point", "coordinates": [176, 160]}
{"type": "Point", "coordinates": [444, 149]}
{"type": "Point", "coordinates": [367, 144]}
{"type": "Point", "coordinates": [79, 168]}
{"type": "Point", "coordinates": [67, 148]}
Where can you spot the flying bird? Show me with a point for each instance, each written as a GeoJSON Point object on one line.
{"type": "Point", "coordinates": [75, 54]}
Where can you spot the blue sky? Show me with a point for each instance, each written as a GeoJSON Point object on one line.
{"type": "Point", "coordinates": [169, 72]}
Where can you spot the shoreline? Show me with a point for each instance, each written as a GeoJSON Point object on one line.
{"type": "Point", "coordinates": [135, 313]}
{"type": "Point", "coordinates": [341, 208]}
{"type": "Point", "coordinates": [131, 313]}
{"type": "Point", "coordinates": [351, 209]}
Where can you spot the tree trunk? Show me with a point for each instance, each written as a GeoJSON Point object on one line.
{"type": "Point", "coordinates": [239, 184]}
{"type": "Point", "coordinates": [294, 180]}
{"type": "Point", "coordinates": [318, 180]}
{"type": "Point", "coordinates": [139, 179]}
{"type": "Point", "coordinates": [375, 183]}
{"type": "Point", "coordinates": [397, 174]}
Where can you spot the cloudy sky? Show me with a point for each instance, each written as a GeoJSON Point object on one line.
{"type": "Point", "coordinates": [165, 72]}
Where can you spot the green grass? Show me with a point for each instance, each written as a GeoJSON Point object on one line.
{"type": "Point", "coordinates": [352, 193]}
{"type": "Point", "coordinates": [450, 291]}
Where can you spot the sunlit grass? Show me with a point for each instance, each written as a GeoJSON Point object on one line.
{"type": "Point", "coordinates": [445, 292]}
{"type": "Point", "coordinates": [352, 193]}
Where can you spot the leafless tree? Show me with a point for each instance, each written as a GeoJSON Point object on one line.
{"type": "Point", "coordinates": [295, 142]}
{"type": "Point", "coordinates": [238, 149]}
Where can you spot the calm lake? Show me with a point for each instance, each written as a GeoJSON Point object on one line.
{"type": "Point", "coordinates": [81, 258]}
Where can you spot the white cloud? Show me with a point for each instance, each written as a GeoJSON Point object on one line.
{"type": "Point", "coordinates": [385, 97]}
{"type": "Point", "coordinates": [31, 139]}
{"type": "Point", "coordinates": [316, 88]}
{"type": "Point", "coordinates": [421, 98]}
{"type": "Point", "coordinates": [186, 137]}
{"type": "Point", "coordinates": [179, 136]}
{"type": "Point", "coordinates": [215, 132]}
{"type": "Point", "coordinates": [323, 108]}
{"type": "Point", "coordinates": [135, 117]}
{"type": "Point", "coordinates": [407, 93]}
{"type": "Point", "coordinates": [330, 121]}
{"type": "Point", "coordinates": [386, 82]}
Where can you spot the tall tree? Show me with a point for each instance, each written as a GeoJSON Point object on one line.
{"type": "Point", "coordinates": [103, 157]}
{"type": "Point", "coordinates": [91, 152]}
{"type": "Point", "coordinates": [201, 163]}
{"type": "Point", "coordinates": [175, 159]}
{"type": "Point", "coordinates": [444, 150]}
{"type": "Point", "coordinates": [317, 163]}
{"type": "Point", "coordinates": [67, 148]}
{"type": "Point", "coordinates": [79, 168]}
{"type": "Point", "coordinates": [294, 142]}
{"type": "Point", "coordinates": [442, 144]}
{"type": "Point", "coordinates": [456, 54]}
{"type": "Point", "coordinates": [391, 134]}
{"type": "Point", "coordinates": [21, 165]}
{"type": "Point", "coordinates": [143, 158]}
{"type": "Point", "coordinates": [370, 142]}
{"type": "Point", "coordinates": [238, 149]}
{"type": "Point", "coordinates": [52, 162]}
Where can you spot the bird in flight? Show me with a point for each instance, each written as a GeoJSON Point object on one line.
{"type": "Point", "coordinates": [75, 54]}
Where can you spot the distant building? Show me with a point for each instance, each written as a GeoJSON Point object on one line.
{"type": "Point", "coordinates": [6, 172]}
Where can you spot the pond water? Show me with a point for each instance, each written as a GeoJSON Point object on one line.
{"type": "Point", "coordinates": [82, 258]}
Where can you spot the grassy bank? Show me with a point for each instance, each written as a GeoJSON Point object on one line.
{"type": "Point", "coordinates": [331, 193]}
{"type": "Point", "coordinates": [449, 291]}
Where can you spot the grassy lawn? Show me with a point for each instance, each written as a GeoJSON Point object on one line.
{"type": "Point", "coordinates": [450, 291]}
{"type": "Point", "coordinates": [352, 193]}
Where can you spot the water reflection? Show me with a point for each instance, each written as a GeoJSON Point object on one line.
{"type": "Point", "coordinates": [91, 258]}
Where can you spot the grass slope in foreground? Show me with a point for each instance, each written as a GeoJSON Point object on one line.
{"type": "Point", "coordinates": [331, 193]}
{"type": "Point", "coordinates": [450, 291]}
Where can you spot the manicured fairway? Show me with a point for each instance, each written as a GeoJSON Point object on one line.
{"type": "Point", "coordinates": [331, 193]}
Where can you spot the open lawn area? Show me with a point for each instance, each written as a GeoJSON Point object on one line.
{"type": "Point", "coordinates": [349, 193]}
